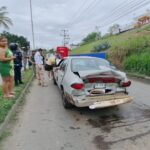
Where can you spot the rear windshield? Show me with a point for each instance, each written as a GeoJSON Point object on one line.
{"type": "Point", "coordinates": [81, 64]}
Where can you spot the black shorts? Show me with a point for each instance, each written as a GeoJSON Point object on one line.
{"type": "Point", "coordinates": [48, 67]}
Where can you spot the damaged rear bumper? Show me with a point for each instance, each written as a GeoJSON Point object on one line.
{"type": "Point", "coordinates": [94, 102]}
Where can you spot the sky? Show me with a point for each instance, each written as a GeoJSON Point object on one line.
{"type": "Point", "coordinates": [77, 17]}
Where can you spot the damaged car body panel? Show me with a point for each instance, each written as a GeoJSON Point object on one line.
{"type": "Point", "coordinates": [91, 82]}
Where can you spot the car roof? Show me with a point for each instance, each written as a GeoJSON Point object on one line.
{"type": "Point", "coordinates": [71, 57]}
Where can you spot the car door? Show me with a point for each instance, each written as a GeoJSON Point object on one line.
{"type": "Point", "coordinates": [61, 72]}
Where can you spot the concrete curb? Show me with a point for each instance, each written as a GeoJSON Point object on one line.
{"type": "Point", "coordinates": [13, 109]}
{"type": "Point", "coordinates": [142, 77]}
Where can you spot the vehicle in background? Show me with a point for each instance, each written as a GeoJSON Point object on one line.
{"type": "Point", "coordinates": [90, 82]}
{"type": "Point", "coordinates": [62, 51]}
{"type": "Point", "coordinates": [98, 55]}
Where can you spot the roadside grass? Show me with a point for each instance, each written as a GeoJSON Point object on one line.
{"type": "Point", "coordinates": [112, 40]}
{"type": "Point", "coordinates": [134, 43]}
{"type": "Point", "coordinates": [6, 104]}
{"type": "Point", "coordinates": [138, 63]}
{"type": "Point", "coordinates": [116, 41]}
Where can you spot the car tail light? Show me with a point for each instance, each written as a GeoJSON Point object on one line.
{"type": "Point", "coordinates": [77, 86]}
{"type": "Point", "coordinates": [102, 79]}
{"type": "Point", "coordinates": [126, 84]}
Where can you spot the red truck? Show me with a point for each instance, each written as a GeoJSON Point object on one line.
{"type": "Point", "coordinates": [62, 51]}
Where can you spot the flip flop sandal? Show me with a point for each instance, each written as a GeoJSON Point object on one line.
{"type": "Point", "coordinates": [10, 96]}
{"type": "Point", "coordinates": [12, 93]}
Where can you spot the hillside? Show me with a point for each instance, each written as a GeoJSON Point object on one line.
{"type": "Point", "coordinates": [129, 50]}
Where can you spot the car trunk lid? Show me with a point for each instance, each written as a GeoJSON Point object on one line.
{"type": "Point", "coordinates": [105, 81]}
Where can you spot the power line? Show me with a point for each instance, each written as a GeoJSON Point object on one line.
{"type": "Point", "coordinates": [119, 7]}
{"type": "Point", "coordinates": [126, 13]}
{"type": "Point", "coordinates": [124, 8]}
{"type": "Point", "coordinates": [77, 12]}
{"type": "Point", "coordinates": [84, 10]}
{"type": "Point", "coordinates": [91, 6]}
{"type": "Point", "coordinates": [93, 3]}
{"type": "Point", "coordinates": [127, 8]}
{"type": "Point", "coordinates": [87, 10]}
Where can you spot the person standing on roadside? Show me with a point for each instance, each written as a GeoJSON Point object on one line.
{"type": "Point", "coordinates": [38, 57]}
{"type": "Point", "coordinates": [32, 61]}
{"type": "Point", "coordinates": [50, 62]}
{"type": "Point", "coordinates": [17, 63]}
{"type": "Point", "coordinates": [25, 58]}
{"type": "Point", "coordinates": [6, 68]}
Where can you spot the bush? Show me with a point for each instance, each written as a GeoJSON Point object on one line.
{"type": "Point", "coordinates": [139, 63]}
{"type": "Point", "coordinates": [129, 47]}
{"type": "Point", "coordinates": [101, 47]}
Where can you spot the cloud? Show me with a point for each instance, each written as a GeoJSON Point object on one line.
{"type": "Point", "coordinates": [50, 17]}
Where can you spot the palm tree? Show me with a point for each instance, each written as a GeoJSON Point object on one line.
{"type": "Point", "coordinates": [4, 20]}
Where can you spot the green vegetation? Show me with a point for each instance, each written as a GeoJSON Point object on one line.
{"type": "Point", "coordinates": [138, 63]}
{"type": "Point", "coordinates": [6, 104]}
{"type": "Point", "coordinates": [90, 38]}
{"type": "Point", "coordinates": [101, 47]}
{"type": "Point", "coordinates": [114, 28]}
{"type": "Point", "coordinates": [4, 20]}
{"type": "Point", "coordinates": [134, 42]}
{"type": "Point", "coordinates": [132, 45]}
{"type": "Point", "coordinates": [12, 38]}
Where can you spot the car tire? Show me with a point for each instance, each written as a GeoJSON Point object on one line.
{"type": "Point", "coordinates": [66, 104]}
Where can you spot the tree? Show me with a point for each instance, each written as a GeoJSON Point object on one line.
{"type": "Point", "coordinates": [90, 37]}
{"type": "Point", "coordinates": [4, 20]}
{"type": "Point", "coordinates": [12, 38]}
{"type": "Point", "coordinates": [114, 29]}
{"type": "Point", "coordinates": [98, 35]}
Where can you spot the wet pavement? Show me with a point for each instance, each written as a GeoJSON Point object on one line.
{"type": "Point", "coordinates": [45, 124]}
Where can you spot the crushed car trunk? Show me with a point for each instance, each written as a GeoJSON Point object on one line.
{"type": "Point", "coordinates": [100, 82]}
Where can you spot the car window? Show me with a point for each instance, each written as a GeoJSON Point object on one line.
{"type": "Point", "coordinates": [63, 65]}
{"type": "Point", "coordinates": [79, 64]}
{"type": "Point", "coordinates": [58, 62]}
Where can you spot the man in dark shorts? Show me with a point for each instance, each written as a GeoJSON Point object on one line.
{"type": "Point", "coordinates": [17, 63]}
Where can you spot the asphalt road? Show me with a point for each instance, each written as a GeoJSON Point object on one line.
{"type": "Point", "coordinates": [43, 123]}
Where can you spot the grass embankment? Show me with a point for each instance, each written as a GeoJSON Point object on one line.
{"type": "Point", "coordinates": [6, 104]}
{"type": "Point", "coordinates": [129, 50]}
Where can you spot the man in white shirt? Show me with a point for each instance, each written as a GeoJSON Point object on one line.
{"type": "Point", "coordinates": [39, 67]}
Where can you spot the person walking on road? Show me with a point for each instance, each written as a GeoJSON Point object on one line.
{"type": "Point", "coordinates": [38, 57]}
{"type": "Point", "coordinates": [6, 68]}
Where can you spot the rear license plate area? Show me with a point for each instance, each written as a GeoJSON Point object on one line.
{"type": "Point", "coordinates": [99, 85]}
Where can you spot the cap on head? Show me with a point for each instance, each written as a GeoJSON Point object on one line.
{"type": "Point", "coordinates": [13, 46]}
{"type": "Point", "coordinates": [40, 49]}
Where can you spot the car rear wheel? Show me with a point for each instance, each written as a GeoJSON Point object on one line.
{"type": "Point", "coordinates": [66, 104]}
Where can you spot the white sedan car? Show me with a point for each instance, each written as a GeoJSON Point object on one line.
{"type": "Point", "coordinates": [90, 82]}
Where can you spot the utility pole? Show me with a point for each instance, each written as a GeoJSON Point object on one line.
{"type": "Point", "coordinates": [65, 37]}
{"type": "Point", "coordinates": [98, 34]}
{"type": "Point", "coordinates": [32, 26]}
